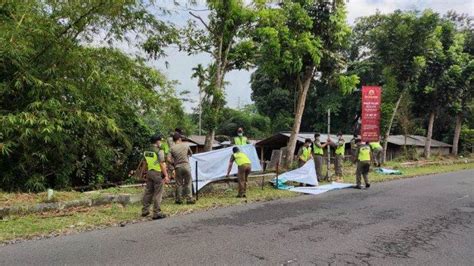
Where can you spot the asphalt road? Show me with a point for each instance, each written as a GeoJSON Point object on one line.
{"type": "Point", "coordinates": [426, 220]}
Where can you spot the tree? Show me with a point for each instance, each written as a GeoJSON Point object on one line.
{"type": "Point", "coordinates": [460, 75]}
{"type": "Point", "coordinates": [293, 39]}
{"type": "Point", "coordinates": [226, 36]}
{"type": "Point", "coordinates": [399, 42]}
{"type": "Point", "coordinates": [431, 93]}
{"type": "Point", "coordinates": [254, 124]}
{"type": "Point", "coordinates": [71, 114]}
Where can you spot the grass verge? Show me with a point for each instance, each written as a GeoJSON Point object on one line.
{"type": "Point", "coordinates": [49, 224]}
{"type": "Point", "coordinates": [74, 220]}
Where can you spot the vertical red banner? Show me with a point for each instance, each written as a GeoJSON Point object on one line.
{"type": "Point", "coordinates": [371, 100]}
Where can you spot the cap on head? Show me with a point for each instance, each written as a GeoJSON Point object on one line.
{"type": "Point", "coordinates": [155, 138]}
{"type": "Point", "coordinates": [235, 149]}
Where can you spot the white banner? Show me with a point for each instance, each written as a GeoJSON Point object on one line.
{"type": "Point", "coordinates": [306, 174]}
{"type": "Point", "coordinates": [213, 165]}
{"type": "Point", "coordinates": [321, 189]}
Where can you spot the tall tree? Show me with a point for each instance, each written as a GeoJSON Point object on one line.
{"type": "Point", "coordinates": [399, 41]}
{"type": "Point", "coordinates": [294, 37]}
{"type": "Point", "coordinates": [431, 93]}
{"type": "Point", "coordinates": [461, 74]}
{"type": "Point", "coordinates": [70, 114]}
{"type": "Point", "coordinates": [226, 35]}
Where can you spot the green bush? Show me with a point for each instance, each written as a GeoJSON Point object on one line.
{"type": "Point", "coordinates": [72, 115]}
{"type": "Point", "coordinates": [466, 140]}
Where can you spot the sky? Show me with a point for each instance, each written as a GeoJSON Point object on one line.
{"type": "Point", "coordinates": [238, 90]}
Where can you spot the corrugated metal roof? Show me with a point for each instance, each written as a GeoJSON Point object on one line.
{"type": "Point", "coordinates": [310, 135]}
{"type": "Point", "coordinates": [412, 140]}
{"type": "Point", "coordinates": [200, 140]}
{"type": "Point", "coordinates": [415, 140]}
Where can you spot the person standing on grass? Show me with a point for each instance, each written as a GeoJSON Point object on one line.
{"type": "Point", "coordinates": [304, 153]}
{"type": "Point", "coordinates": [377, 152]}
{"type": "Point", "coordinates": [353, 147]}
{"type": "Point", "coordinates": [240, 139]}
{"type": "Point", "coordinates": [244, 165]}
{"type": "Point", "coordinates": [156, 177]}
{"type": "Point", "coordinates": [363, 163]}
{"type": "Point", "coordinates": [340, 151]}
{"type": "Point", "coordinates": [179, 155]}
{"type": "Point", "coordinates": [318, 153]}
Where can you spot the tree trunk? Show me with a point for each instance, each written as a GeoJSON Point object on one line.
{"type": "Point", "coordinates": [303, 87]}
{"type": "Point", "coordinates": [209, 140]}
{"type": "Point", "coordinates": [427, 151]}
{"type": "Point", "coordinates": [387, 133]}
{"type": "Point", "coordinates": [457, 133]}
{"type": "Point", "coordinates": [215, 105]}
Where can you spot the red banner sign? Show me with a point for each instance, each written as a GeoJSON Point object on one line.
{"type": "Point", "coordinates": [370, 126]}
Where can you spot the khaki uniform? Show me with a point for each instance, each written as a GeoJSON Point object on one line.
{"type": "Point", "coordinates": [154, 186]}
{"type": "Point", "coordinates": [304, 154]}
{"type": "Point", "coordinates": [318, 159]}
{"type": "Point", "coordinates": [377, 152]}
{"type": "Point", "coordinates": [244, 168]}
{"type": "Point", "coordinates": [363, 164]}
{"type": "Point", "coordinates": [353, 149]}
{"type": "Point", "coordinates": [179, 154]}
{"type": "Point", "coordinates": [339, 158]}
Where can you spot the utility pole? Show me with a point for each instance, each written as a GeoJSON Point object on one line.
{"type": "Point", "coordinates": [200, 112]}
{"type": "Point", "coordinates": [328, 165]}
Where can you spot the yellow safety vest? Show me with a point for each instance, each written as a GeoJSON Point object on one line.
{"type": "Point", "coordinates": [375, 145]}
{"type": "Point", "coordinates": [165, 147]}
{"type": "Point", "coordinates": [340, 150]}
{"type": "Point", "coordinates": [364, 153]}
{"type": "Point", "coordinates": [241, 158]}
{"type": "Point", "coordinates": [305, 155]}
{"type": "Point", "coordinates": [317, 150]}
{"type": "Point", "coordinates": [240, 141]}
{"type": "Point", "coordinates": [152, 161]}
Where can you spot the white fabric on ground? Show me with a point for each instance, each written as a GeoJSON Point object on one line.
{"type": "Point", "coordinates": [306, 174]}
{"type": "Point", "coordinates": [321, 189]}
{"type": "Point", "coordinates": [212, 165]}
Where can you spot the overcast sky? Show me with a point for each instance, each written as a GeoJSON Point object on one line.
{"type": "Point", "coordinates": [238, 91]}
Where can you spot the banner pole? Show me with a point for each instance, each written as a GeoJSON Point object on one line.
{"type": "Point", "coordinates": [328, 165]}
{"type": "Point", "coordinates": [197, 189]}
{"type": "Point", "coordinates": [277, 169]}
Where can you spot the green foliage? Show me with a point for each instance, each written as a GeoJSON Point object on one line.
{"type": "Point", "coordinates": [226, 36]}
{"type": "Point", "coordinates": [70, 114]}
{"type": "Point", "coordinates": [467, 140]}
{"type": "Point", "coordinates": [255, 125]}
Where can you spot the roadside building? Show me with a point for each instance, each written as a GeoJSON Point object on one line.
{"type": "Point", "coordinates": [273, 148]}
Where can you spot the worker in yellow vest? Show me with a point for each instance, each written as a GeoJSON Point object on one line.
{"type": "Point", "coordinates": [339, 159]}
{"type": "Point", "coordinates": [244, 167]}
{"type": "Point", "coordinates": [318, 153]}
{"type": "Point", "coordinates": [240, 139]}
{"type": "Point", "coordinates": [353, 147]}
{"type": "Point", "coordinates": [304, 153]}
{"type": "Point", "coordinates": [363, 163]}
{"type": "Point", "coordinates": [377, 152]}
{"type": "Point", "coordinates": [156, 177]}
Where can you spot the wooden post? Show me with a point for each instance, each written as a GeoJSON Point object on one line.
{"type": "Point", "coordinates": [328, 164]}
{"type": "Point", "coordinates": [197, 189]}
{"type": "Point", "coordinates": [277, 170]}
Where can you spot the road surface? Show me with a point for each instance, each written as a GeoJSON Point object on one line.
{"type": "Point", "coordinates": [425, 220]}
